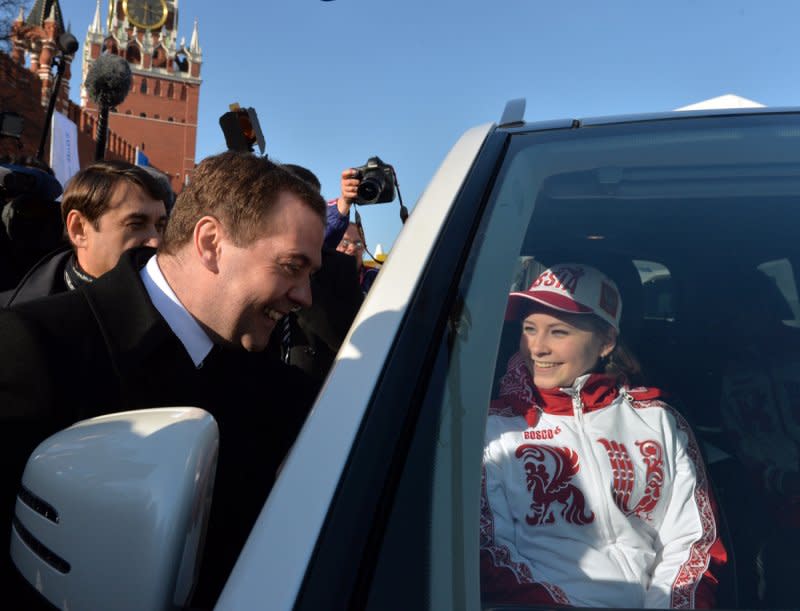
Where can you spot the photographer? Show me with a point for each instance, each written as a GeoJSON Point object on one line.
{"type": "Point", "coordinates": [310, 338]}
{"type": "Point", "coordinates": [354, 244]}
{"type": "Point", "coordinates": [373, 183]}
{"type": "Point", "coordinates": [339, 209]}
{"type": "Point", "coordinates": [344, 236]}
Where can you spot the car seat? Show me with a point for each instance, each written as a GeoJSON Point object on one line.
{"type": "Point", "coordinates": [757, 410]}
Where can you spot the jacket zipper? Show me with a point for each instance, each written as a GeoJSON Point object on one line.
{"type": "Point", "coordinates": [590, 460]}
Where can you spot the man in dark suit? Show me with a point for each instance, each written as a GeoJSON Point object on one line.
{"type": "Point", "coordinates": [108, 207]}
{"type": "Point", "coordinates": [310, 338]}
{"type": "Point", "coordinates": [179, 328]}
{"type": "Point", "coordinates": [317, 332]}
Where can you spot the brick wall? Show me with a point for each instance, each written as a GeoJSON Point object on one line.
{"type": "Point", "coordinates": [20, 91]}
{"type": "Point", "coordinates": [161, 118]}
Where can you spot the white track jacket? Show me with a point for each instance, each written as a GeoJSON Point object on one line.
{"type": "Point", "coordinates": [594, 496]}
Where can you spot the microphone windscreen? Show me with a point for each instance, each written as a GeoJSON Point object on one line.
{"type": "Point", "coordinates": [109, 80]}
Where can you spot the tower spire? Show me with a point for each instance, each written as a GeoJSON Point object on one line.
{"type": "Point", "coordinates": [45, 10]}
{"type": "Point", "coordinates": [97, 26]}
{"type": "Point", "coordinates": [194, 44]}
{"type": "Point", "coordinates": [175, 15]}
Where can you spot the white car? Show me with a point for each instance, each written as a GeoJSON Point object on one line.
{"type": "Point", "coordinates": [695, 214]}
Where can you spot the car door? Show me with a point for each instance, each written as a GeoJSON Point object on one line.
{"type": "Point", "coordinates": [379, 504]}
{"type": "Point", "coordinates": [339, 478]}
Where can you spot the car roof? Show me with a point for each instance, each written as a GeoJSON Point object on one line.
{"type": "Point", "coordinates": [673, 115]}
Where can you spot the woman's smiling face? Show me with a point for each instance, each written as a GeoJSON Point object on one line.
{"type": "Point", "coordinates": [560, 347]}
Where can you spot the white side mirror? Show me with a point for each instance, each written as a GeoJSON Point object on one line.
{"type": "Point", "coordinates": [112, 511]}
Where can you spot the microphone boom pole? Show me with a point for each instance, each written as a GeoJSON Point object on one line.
{"type": "Point", "coordinates": [49, 115]}
{"type": "Point", "coordinates": [67, 44]}
{"type": "Point", "coordinates": [107, 83]}
{"type": "Point", "coordinates": [101, 133]}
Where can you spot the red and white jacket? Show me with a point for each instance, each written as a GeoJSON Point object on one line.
{"type": "Point", "coordinates": [594, 495]}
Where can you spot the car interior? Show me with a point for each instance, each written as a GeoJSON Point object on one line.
{"type": "Point", "coordinates": [706, 259]}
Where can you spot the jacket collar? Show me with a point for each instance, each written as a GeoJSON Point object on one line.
{"type": "Point", "coordinates": [43, 279]}
{"type": "Point", "coordinates": [132, 327]}
{"type": "Point", "coordinates": [518, 392]}
{"type": "Point", "coordinates": [186, 328]}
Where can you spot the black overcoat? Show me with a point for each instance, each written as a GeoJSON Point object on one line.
{"type": "Point", "coordinates": [104, 348]}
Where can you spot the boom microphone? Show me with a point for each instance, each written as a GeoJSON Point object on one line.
{"type": "Point", "coordinates": [108, 80]}
{"type": "Point", "coordinates": [107, 83]}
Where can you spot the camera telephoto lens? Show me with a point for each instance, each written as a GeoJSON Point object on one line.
{"type": "Point", "coordinates": [370, 188]}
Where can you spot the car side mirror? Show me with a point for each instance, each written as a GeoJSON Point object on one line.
{"type": "Point", "coordinates": [112, 511]}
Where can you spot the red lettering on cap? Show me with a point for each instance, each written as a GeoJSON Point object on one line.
{"type": "Point", "coordinates": [562, 278]}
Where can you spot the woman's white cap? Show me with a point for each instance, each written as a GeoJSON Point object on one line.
{"type": "Point", "coordinates": [570, 287]}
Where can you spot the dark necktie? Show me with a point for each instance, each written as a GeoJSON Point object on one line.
{"type": "Point", "coordinates": [286, 337]}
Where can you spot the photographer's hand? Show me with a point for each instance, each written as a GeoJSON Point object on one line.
{"type": "Point", "coordinates": [350, 182]}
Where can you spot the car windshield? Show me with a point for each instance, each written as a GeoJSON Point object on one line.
{"type": "Point", "coordinates": [647, 455]}
{"type": "Point", "coordinates": [696, 222]}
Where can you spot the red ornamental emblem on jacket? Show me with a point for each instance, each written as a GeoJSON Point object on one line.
{"type": "Point", "coordinates": [623, 475]}
{"type": "Point", "coordinates": [549, 474]}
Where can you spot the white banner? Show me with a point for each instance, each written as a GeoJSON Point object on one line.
{"type": "Point", "coordinates": [64, 148]}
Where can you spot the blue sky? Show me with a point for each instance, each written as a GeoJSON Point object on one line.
{"type": "Point", "coordinates": [337, 82]}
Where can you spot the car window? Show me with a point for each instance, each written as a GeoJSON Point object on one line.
{"type": "Point", "coordinates": [783, 274]}
{"type": "Point", "coordinates": [658, 298]}
{"type": "Point", "coordinates": [695, 221]}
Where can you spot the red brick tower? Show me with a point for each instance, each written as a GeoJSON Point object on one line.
{"type": "Point", "coordinates": [160, 113]}
{"type": "Point", "coordinates": [37, 36]}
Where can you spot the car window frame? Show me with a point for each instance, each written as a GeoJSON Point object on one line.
{"type": "Point", "coordinates": [340, 572]}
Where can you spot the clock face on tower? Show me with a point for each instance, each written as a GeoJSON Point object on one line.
{"type": "Point", "coordinates": [146, 14]}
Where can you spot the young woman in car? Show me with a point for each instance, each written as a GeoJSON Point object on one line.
{"type": "Point", "coordinates": [594, 492]}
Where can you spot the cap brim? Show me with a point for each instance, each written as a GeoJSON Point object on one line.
{"type": "Point", "coordinates": [517, 303]}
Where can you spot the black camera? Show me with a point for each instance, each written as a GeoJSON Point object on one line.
{"type": "Point", "coordinates": [377, 184]}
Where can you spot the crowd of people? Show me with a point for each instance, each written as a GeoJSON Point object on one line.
{"type": "Point", "coordinates": [594, 490]}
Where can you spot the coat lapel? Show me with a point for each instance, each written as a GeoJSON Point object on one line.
{"type": "Point", "coordinates": [135, 334]}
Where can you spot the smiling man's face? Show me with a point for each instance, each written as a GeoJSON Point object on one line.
{"type": "Point", "coordinates": [261, 282]}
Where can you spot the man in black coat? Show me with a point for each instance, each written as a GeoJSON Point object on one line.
{"type": "Point", "coordinates": [310, 338]}
{"type": "Point", "coordinates": [180, 328]}
{"type": "Point", "coordinates": [108, 207]}
{"type": "Point", "coordinates": [317, 333]}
